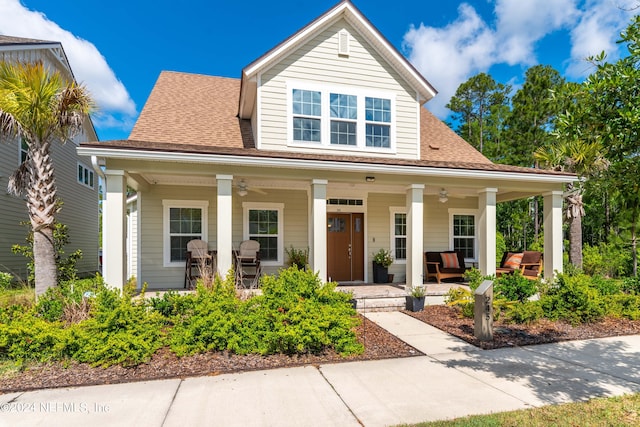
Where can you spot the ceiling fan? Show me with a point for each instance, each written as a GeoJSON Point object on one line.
{"type": "Point", "coordinates": [243, 189]}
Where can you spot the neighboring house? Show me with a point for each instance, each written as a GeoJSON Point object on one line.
{"type": "Point", "coordinates": [322, 144]}
{"type": "Point", "coordinates": [75, 177]}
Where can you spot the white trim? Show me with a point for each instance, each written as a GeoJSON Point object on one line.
{"type": "Point", "coordinates": [347, 9]}
{"type": "Point", "coordinates": [325, 117]}
{"type": "Point", "coordinates": [246, 207]}
{"type": "Point", "coordinates": [321, 165]}
{"type": "Point", "coordinates": [470, 212]}
{"type": "Point", "coordinates": [393, 210]}
{"type": "Point", "coordinates": [166, 236]}
{"type": "Point", "coordinates": [90, 176]}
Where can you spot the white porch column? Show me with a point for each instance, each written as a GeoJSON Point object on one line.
{"type": "Point", "coordinates": [552, 213]}
{"type": "Point", "coordinates": [224, 234]}
{"type": "Point", "coordinates": [114, 214]}
{"type": "Point", "coordinates": [487, 230]}
{"type": "Point", "coordinates": [415, 224]}
{"type": "Point", "coordinates": [318, 255]}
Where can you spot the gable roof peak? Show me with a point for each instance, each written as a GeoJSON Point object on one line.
{"type": "Point", "coordinates": [345, 9]}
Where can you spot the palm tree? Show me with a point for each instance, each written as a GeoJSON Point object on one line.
{"type": "Point", "coordinates": [40, 106]}
{"type": "Point", "coordinates": [584, 158]}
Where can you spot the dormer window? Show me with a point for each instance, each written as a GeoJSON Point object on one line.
{"type": "Point", "coordinates": [340, 118]}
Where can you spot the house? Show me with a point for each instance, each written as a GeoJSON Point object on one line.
{"type": "Point", "coordinates": [323, 143]}
{"type": "Point", "coordinates": [75, 176]}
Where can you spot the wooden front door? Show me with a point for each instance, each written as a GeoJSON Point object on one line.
{"type": "Point", "coordinates": [345, 247]}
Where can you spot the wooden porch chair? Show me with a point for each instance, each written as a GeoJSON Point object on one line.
{"type": "Point", "coordinates": [247, 264]}
{"type": "Point", "coordinates": [199, 257]}
{"type": "Point", "coordinates": [529, 263]}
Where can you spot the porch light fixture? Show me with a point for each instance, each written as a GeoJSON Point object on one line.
{"type": "Point", "coordinates": [443, 196]}
{"type": "Point", "coordinates": [242, 188]}
{"type": "Point", "coordinates": [370, 179]}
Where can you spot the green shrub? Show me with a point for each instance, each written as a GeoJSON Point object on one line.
{"type": "Point", "coordinates": [607, 259]}
{"type": "Point", "coordinates": [631, 285]}
{"type": "Point", "coordinates": [5, 280]}
{"type": "Point", "coordinates": [574, 299]}
{"type": "Point", "coordinates": [475, 278]}
{"type": "Point", "coordinates": [304, 315]}
{"type": "Point", "coordinates": [210, 322]}
{"type": "Point", "coordinates": [624, 305]}
{"type": "Point", "coordinates": [25, 336]}
{"type": "Point", "coordinates": [461, 298]}
{"type": "Point", "coordinates": [119, 331]}
{"type": "Point", "coordinates": [525, 312]}
{"type": "Point", "coordinates": [606, 286]}
{"type": "Point", "coordinates": [296, 313]}
{"type": "Point", "coordinates": [172, 304]}
{"type": "Point", "coordinates": [515, 287]}
{"type": "Point", "coordinates": [59, 302]}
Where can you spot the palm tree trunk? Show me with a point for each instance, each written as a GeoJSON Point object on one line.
{"type": "Point", "coordinates": [44, 256]}
{"type": "Point", "coordinates": [42, 205]}
{"type": "Point", "coordinates": [575, 241]}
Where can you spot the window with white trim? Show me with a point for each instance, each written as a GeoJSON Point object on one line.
{"type": "Point", "coordinates": [398, 233]}
{"type": "Point", "coordinates": [340, 118]}
{"type": "Point", "coordinates": [85, 176]}
{"type": "Point", "coordinates": [183, 220]}
{"type": "Point", "coordinates": [464, 233]}
{"type": "Point", "coordinates": [378, 118]}
{"type": "Point", "coordinates": [264, 223]}
{"type": "Point", "coordinates": [306, 106]}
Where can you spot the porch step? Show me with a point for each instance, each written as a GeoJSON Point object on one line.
{"type": "Point", "coordinates": [368, 305]}
{"type": "Point", "coordinates": [391, 297]}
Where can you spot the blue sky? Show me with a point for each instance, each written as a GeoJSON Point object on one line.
{"type": "Point", "coordinates": [118, 48]}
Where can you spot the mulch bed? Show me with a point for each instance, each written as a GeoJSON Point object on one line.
{"type": "Point", "coordinates": [379, 344]}
{"type": "Point", "coordinates": [544, 331]}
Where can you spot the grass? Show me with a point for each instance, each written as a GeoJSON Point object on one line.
{"type": "Point", "coordinates": [614, 411]}
{"type": "Point", "coordinates": [22, 295]}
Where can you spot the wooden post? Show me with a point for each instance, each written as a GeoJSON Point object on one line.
{"type": "Point", "coordinates": [483, 311]}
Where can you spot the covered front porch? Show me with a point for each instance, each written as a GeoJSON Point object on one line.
{"type": "Point", "coordinates": [284, 205]}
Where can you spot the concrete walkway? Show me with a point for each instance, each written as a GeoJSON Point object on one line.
{"type": "Point", "coordinates": [453, 379]}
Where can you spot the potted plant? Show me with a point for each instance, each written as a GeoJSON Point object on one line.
{"type": "Point", "coordinates": [415, 300]}
{"type": "Point", "coordinates": [298, 257]}
{"type": "Point", "coordinates": [381, 262]}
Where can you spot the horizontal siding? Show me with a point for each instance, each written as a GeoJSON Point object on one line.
{"type": "Point", "coordinates": [80, 211]}
{"type": "Point", "coordinates": [317, 62]}
{"type": "Point", "coordinates": [151, 211]}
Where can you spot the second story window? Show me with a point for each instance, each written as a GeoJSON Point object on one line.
{"type": "Point", "coordinates": [344, 119]}
{"type": "Point", "coordinates": [378, 118]}
{"type": "Point", "coordinates": [307, 109]}
{"type": "Point", "coordinates": [341, 117]}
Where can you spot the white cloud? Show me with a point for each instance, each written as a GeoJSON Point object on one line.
{"type": "Point", "coordinates": [116, 108]}
{"type": "Point", "coordinates": [447, 56]}
{"type": "Point", "coordinates": [521, 23]}
{"type": "Point", "coordinates": [597, 30]}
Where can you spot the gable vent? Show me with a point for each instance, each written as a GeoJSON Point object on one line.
{"type": "Point", "coordinates": [343, 43]}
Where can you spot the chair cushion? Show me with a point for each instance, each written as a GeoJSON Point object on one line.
{"type": "Point", "coordinates": [449, 260]}
{"type": "Point", "coordinates": [513, 261]}
{"type": "Point", "coordinates": [531, 257]}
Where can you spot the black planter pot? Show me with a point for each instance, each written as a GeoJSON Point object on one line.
{"type": "Point", "coordinates": [380, 273]}
{"type": "Point", "coordinates": [414, 303]}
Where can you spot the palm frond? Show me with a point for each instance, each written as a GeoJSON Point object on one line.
{"type": "Point", "coordinates": [19, 180]}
